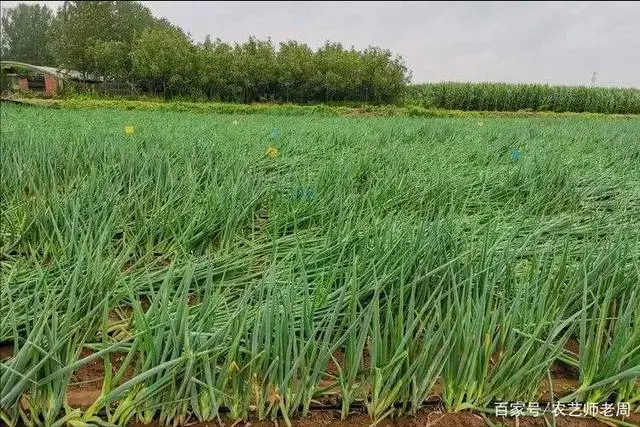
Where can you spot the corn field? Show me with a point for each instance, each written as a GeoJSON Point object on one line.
{"type": "Point", "coordinates": [257, 267]}
{"type": "Point", "coordinates": [515, 97]}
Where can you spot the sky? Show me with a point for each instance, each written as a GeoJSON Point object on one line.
{"type": "Point", "coordinates": [543, 42]}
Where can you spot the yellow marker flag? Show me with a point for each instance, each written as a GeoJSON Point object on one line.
{"type": "Point", "coordinates": [271, 152]}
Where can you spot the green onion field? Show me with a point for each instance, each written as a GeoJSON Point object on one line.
{"type": "Point", "coordinates": [262, 266]}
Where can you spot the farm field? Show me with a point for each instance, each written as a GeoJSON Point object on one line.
{"type": "Point", "coordinates": [533, 97]}
{"type": "Point", "coordinates": [174, 267]}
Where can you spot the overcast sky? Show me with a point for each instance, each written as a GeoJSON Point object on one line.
{"type": "Point", "coordinates": [554, 42]}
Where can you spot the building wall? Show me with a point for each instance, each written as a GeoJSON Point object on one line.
{"type": "Point", "coordinates": [50, 84]}
{"type": "Point", "coordinates": [23, 83]}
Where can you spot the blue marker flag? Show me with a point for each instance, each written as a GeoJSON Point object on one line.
{"type": "Point", "coordinates": [306, 194]}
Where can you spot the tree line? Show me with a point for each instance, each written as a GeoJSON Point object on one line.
{"type": "Point", "coordinates": [123, 41]}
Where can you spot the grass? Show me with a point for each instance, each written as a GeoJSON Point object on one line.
{"type": "Point", "coordinates": [413, 108]}
{"type": "Point", "coordinates": [375, 261]}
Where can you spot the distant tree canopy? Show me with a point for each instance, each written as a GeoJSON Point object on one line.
{"type": "Point", "coordinates": [122, 40]}
{"type": "Point", "coordinates": [27, 34]}
{"type": "Point", "coordinates": [98, 36]}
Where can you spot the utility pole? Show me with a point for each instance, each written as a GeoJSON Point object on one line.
{"type": "Point", "coordinates": [593, 78]}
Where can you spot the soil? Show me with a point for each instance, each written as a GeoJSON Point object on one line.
{"type": "Point", "coordinates": [86, 382]}
{"type": "Point", "coordinates": [564, 379]}
{"type": "Point", "coordinates": [86, 385]}
{"type": "Point", "coordinates": [332, 368]}
{"type": "Point", "coordinates": [6, 351]}
{"type": "Point", "coordinates": [325, 418]}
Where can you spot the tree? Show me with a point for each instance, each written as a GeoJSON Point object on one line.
{"type": "Point", "coordinates": [131, 19]}
{"type": "Point", "coordinates": [338, 73]}
{"type": "Point", "coordinates": [26, 34]}
{"type": "Point", "coordinates": [255, 62]}
{"type": "Point", "coordinates": [122, 40]}
{"type": "Point", "coordinates": [78, 26]}
{"type": "Point", "coordinates": [216, 71]}
{"type": "Point", "coordinates": [109, 59]}
{"type": "Point", "coordinates": [295, 71]}
{"type": "Point", "coordinates": [383, 76]}
{"type": "Point", "coordinates": [97, 36]}
{"type": "Point", "coordinates": [165, 58]}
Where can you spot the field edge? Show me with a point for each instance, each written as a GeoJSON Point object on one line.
{"type": "Point", "coordinates": [295, 109]}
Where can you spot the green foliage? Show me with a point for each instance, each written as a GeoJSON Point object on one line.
{"type": "Point", "coordinates": [426, 261]}
{"type": "Point", "coordinates": [256, 71]}
{"type": "Point", "coordinates": [254, 64]}
{"type": "Point", "coordinates": [121, 40]}
{"type": "Point", "coordinates": [164, 58]}
{"type": "Point", "coordinates": [295, 73]}
{"type": "Point", "coordinates": [85, 101]}
{"type": "Point", "coordinates": [384, 77]}
{"type": "Point", "coordinates": [533, 97]}
{"type": "Point", "coordinates": [97, 36]}
{"type": "Point", "coordinates": [27, 34]}
{"type": "Point", "coordinates": [339, 73]}
{"type": "Point", "coordinates": [216, 72]}
{"type": "Point", "coordinates": [78, 26]}
{"type": "Point", "coordinates": [109, 59]}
